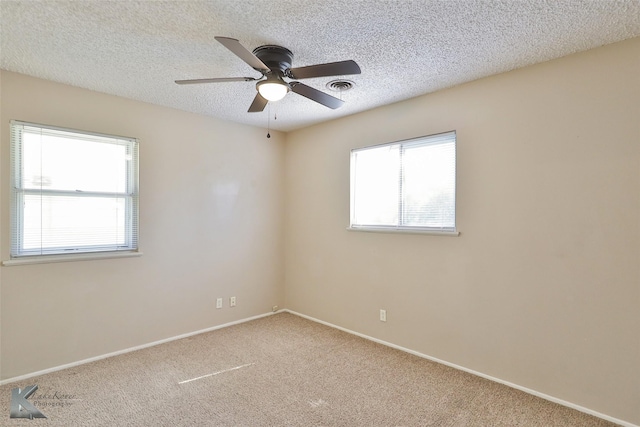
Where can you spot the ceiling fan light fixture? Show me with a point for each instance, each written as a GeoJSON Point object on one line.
{"type": "Point", "coordinates": [272, 90]}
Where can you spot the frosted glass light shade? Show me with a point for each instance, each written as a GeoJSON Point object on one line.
{"type": "Point", "coordinates": [272, 91]}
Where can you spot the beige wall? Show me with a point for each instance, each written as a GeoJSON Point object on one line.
{"type": "Point", "coordinates": [211, 226]}
{"type": "Point", "coordinates": [542, 287]}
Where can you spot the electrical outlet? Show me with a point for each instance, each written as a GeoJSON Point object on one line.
{"type": "Point", "coordinates": [219, 303]}
{"type": "Point", "coordinates": [383, 315]}
{"type": "Point", "coordinates": [232, 302]}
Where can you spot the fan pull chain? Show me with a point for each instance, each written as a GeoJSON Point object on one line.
{"type": "Point", "coordinates": [268, 120]}
{"type": "Point", "coordinates": [275, 117]}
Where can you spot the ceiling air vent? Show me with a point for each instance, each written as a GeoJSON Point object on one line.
{"type": "Point", "coordinates": [340, 85]}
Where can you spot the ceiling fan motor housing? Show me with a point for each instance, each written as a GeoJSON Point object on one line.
{"type": "Point", "coordinates": [274, 57]}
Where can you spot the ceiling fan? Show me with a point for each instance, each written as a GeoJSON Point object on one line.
{"type": "Point", "coordinates": [274, 63]}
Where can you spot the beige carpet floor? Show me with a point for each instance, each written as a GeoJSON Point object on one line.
{"type": "Point", "coordinates": [281, 370]}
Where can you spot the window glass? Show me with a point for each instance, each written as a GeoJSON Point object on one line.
{"type": "Point", "coordinates": [72, 191]}
{"type": "Point", "coordinates": [405, 185]}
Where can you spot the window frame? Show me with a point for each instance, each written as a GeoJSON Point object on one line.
{"type": "Point", "coordinates": [19, 191]}
{"type": "Point", "coordinates": [440, 138]}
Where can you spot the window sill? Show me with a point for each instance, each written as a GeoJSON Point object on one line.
{"type": "Point", "coordinates": [404, 231]}
{"type": "Point", "coordinates": [45, 259]}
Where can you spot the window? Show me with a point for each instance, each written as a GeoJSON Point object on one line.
{"type": "Point", "coordinates": [405, 186]}
{"type": "Point", "coordinates": [72, 192]}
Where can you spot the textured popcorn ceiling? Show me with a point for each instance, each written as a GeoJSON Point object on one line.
{"type": "Point", "coordinates": [405, 48]}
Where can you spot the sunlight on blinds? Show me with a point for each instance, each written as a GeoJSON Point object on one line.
{"type": "Point", "coordinates": [408, 184]}
{"type": "Point", "coordinates": [72, 192]}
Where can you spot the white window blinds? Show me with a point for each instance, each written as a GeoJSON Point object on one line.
{"type": "Point", "coordinates": [72, 192]}
{"type": "Point", "coordinates": [405, 185]}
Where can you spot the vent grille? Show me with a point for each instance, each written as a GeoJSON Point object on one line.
{"type": "Point", "coordinates": [340, 85]}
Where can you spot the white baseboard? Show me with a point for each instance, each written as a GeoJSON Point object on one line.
{"type": "Point", "coordinates": [471, 371]}
{"type": "Point", "coordinates": [129, 350]}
